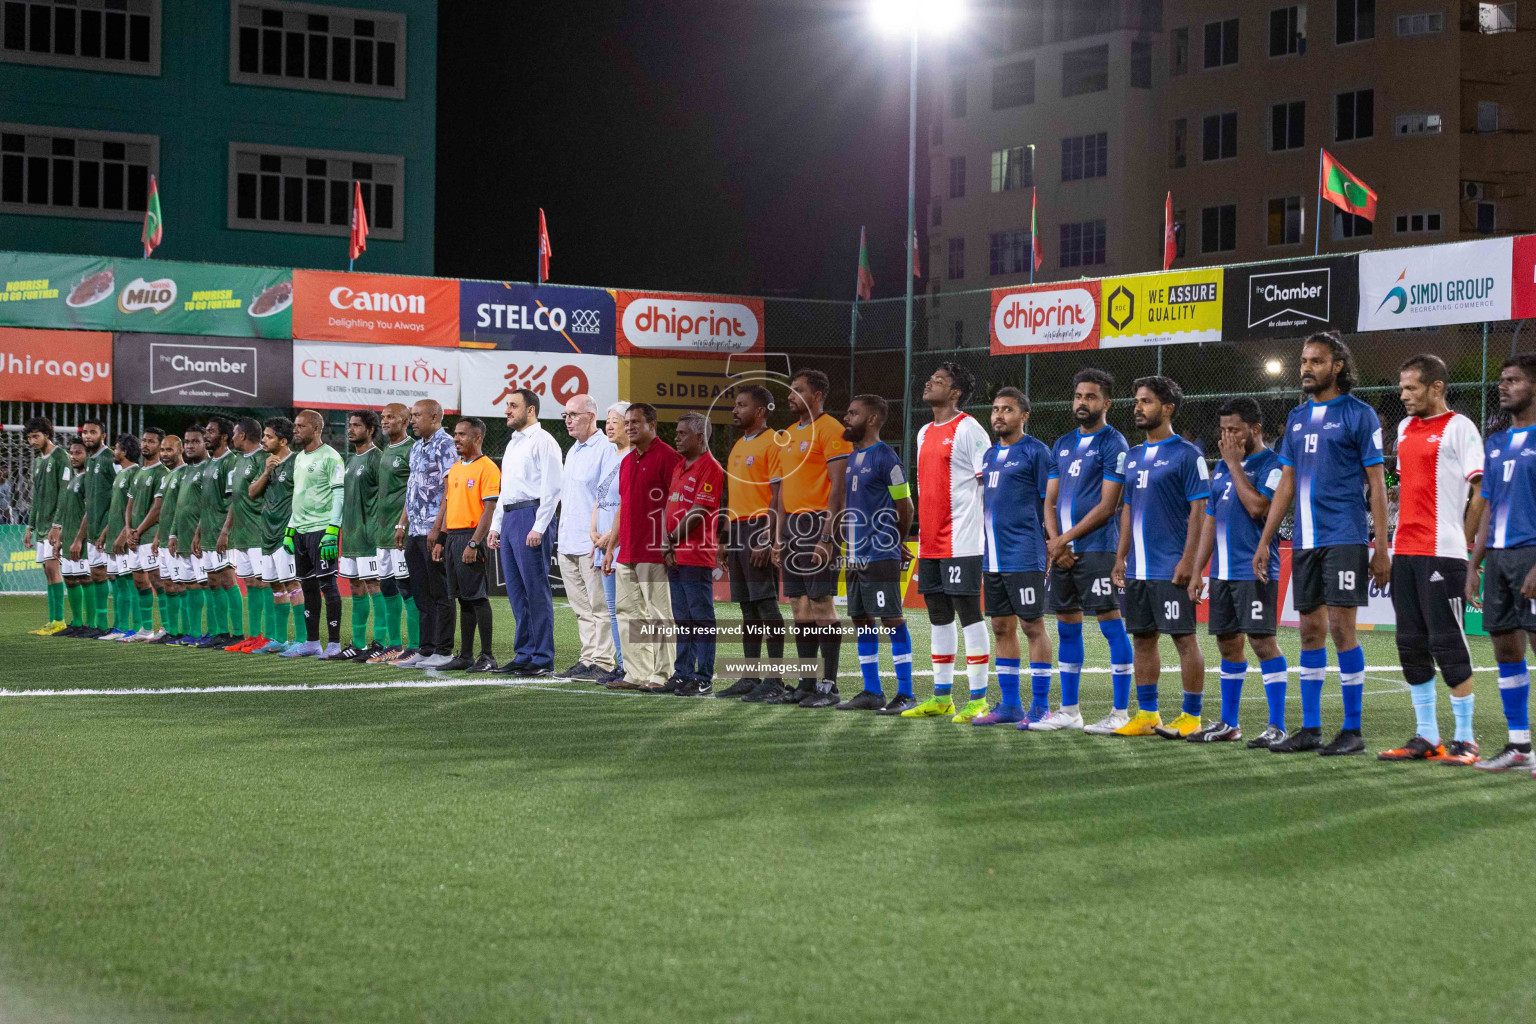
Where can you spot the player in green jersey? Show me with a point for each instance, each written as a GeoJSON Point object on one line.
{"type": "Point", "coordinates": [99, 471]}
{"type": "Point", "coordinates": [125, 609]}
{"type": "Point", "coordinates": [224, 611]}
{"type": "Point", "coordinates": [43, 531]}
{"type": "Point", "coordinates": [240, 536]}
{"type": "Point", "coordinates": [156, 525]}
{"type": "Point", "coordinates": [314, 527]}
{"type": "Point", "coordinates": [393, 472]}
{"type": "Point", "coordinates": [141, 501]}
{"type": "Point", "coordinates": [184, 525]}
{"type": "Point", "coordinates": [273, 489]}
{"type": "Point", "coordinates": [359, 553]}
{"type": "Point", "coordinates": [70, 514]}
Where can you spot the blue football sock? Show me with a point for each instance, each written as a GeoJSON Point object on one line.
{"type": "Point", "coordinates": [1515, 692]}
{"type": "Point", "coordinates": [1194, 703]}
{"type": "Point", "coordinates": [1040, 684]}
{"type": "Point", "coordinates": [1462, 707]}
{"type": "Point", "coordinates": [868, 642]}
{"type": "Point", "coordinates": [1352, 685]}
{"type": "Point", "coordinates": [901, 654]}
{"type": "Point", "coordinates": [1425, 722]}
{"type": "Point", "coordinates": [1232, 673]}
{"type": "Point", "coordinates": [1008, 681]}
{"type": "Point", "coordinates": [1146, 697]}
{"type": "Point", "coordinates": [1119, 661]}
{"type": "Point", "coordinates": [1273, 671]}
{"type": "Point", "coordinates": [1069, 660]}
{"type": "Point", "coordinates": [1314, 665]}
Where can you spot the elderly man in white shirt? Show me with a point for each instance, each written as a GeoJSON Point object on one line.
{"type": "Point", "coordinates": [587, 465]}
{"type": "Point", "coordinates": [530, 491]}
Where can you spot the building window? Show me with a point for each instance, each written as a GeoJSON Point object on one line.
{"type": "Point", "coordinates": [1141, 65]}
{"type": "Point", "coordinates": [1354, 115]}
{"type": "Point", "coordinates": [1285, 220]}
{"type": "Point", "coordinates": [1218, 228]}
{"type": "Point", "coordinates": [1288, 125]}
{"type": "Point", "coordinates": [1178, 56]}
{"type": "Point", "coordinates": [317, 48]}
{"type": "Point", "coordinates": [309, 191]}
{"type": "Point", "coordinates": [1420, 24]}
{"type": "Point", "coordinates": [957, 94]}
{"type": "Point", "coordinates": [1487, 116]}
{"type": "Point", "coordinates": [957, 177]}
{"type": "Point", "coordinates": [938, 213]}
{"type": "Point", "coordinates": [96, 35]}
{"type": "Point", "coordinates": [1220, 137]}
{"type": "Point", "coordinates": [65, 172]}
{"type": "Point", "coordinates": [1487, 221]}
{"type": "Point", "coordinates": [1348, 225]}
{"type": "Point", "coordinates": [1494, 18]}
{"type": "Point", "coordinates": [1085, 71]}
{"type": "Point", "coordinates": [1082, 245]}
{"type": "Point", "coordinates": [1086, 156]}
{"type": "Point", "coordinates": [957, 334]}
{"type": "Point", "coordinates": [1221, 43]}
{"type": "Point", "coordinates": [1417, 124]}
{"type": "Point", "coordinates": [1009, 252]}
{"type": "Point", "coordinates": [1287, 31]}
{"type": "Point", "coordinates": [956, 259]}
{"type": "Point", "coordinates": [1011, 169]}
{"type": "Point", "coordinates": [1417, 223]}
{"type": "Point", "coordinates": [1354, 21]}
{"type": "Point", "coordinates": [1178, 142]}
{"type": "Point", "coordinates": [1013, 85]}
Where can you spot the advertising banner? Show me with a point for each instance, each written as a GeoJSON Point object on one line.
{"type": "Point", "coordinates": [1523, 302]}
{"type": "Point", "coordinates": [490, 377]}
{"type": "Point", "coordinates": [55, 366]}
{"type": "Point", "coordinates": [1161, 309]}
{"type": "Point", "coordinates": [1291, 299]}
{"type": "Point", "coordinates": [160, 369]}
{"type": "Point", "coordinates": [19, 571]}
{"type": "Point", "coordinates": [549, 318]}
{"type": "Point", "coordinates": [1432, 285]}
{"type": "Point", "coordinates": [334, 376]}
{"type": "Point", "coordinates": [690, 326]}
{"type": "Point", "coordinates": [676, 386]}
{"type": "Point", "coordinates": [1045, 318]}
{"type": "Point", "coordinates": [41, 290]}
{"type": "Point", "coordinates": [375, 309]}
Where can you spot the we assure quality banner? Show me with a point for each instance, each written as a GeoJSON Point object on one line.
{"type": "Point", "coordinates": [491, 377]}
{"type": "Point", "coordinates": [327, 375]}
{"type": "Point", "coordinates": [157, 369]}
{"type": "Point", "coordinates": [547, 318]}
{"type": "Point", "coordinates": [1161, 309]}
{"type": "Point", "coordinates": [74, 292]}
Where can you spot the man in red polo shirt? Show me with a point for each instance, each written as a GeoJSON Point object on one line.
{"type": "Point", "coordinates": [645, 477]}
{"type": "Point", "coordinates": [690, 549]}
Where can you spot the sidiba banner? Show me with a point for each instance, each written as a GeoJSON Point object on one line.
{"type": "Point", "coordinates": [155, 296]}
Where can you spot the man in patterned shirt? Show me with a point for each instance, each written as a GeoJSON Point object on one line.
{"type": "Point", "coordinates": [432, 456]}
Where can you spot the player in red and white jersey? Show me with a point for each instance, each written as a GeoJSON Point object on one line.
{"type": "Point", "coordinates": [1439, 459]}
{"type": "Point", "coordinates": [949, 544]}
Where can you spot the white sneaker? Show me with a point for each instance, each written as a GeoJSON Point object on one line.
{"type": "Point", "coordinates": [154, 635]}
{"type": "Point", "coordinates": [140, 637]}
{"type": "Point", "coordinates": [1057, 720]}
{"type": "Point", "coordinates": [1108, 724]}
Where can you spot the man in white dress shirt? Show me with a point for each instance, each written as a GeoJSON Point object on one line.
{"type": "Point", "coordinates": [530, 491]}
{"type": "Point", "coordinates": [589, 462]}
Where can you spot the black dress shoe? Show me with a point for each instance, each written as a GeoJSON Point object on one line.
{"type": "Point", "coordinates": [740, 688]}
{"type": "Point", "coordinates": [457, 665]}
{"type": "Point", "coordinates": [485, 664]}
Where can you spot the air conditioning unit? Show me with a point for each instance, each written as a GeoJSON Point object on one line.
{"type": "Point", "coordinates": [1473, 192]}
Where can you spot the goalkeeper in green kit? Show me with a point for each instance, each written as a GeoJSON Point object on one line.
{"type": "Point", "coordinates": [314, 532]}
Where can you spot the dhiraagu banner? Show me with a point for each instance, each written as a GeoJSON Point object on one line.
{"type": "Point", "coordinates": [1160, 309]}
{"type": "Point", "coordinates": [19, 571]}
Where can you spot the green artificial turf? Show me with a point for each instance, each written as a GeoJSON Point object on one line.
{"type": "Point", "coordinates": [556, 852]}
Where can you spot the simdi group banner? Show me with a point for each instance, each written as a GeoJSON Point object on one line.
{"type": "Point", "coordinates": [548, 318]}
{"type": "Point", "coordinates": [328, 375]}
{"type": "Point", "coordinates": [55, 366]}
{"type": "Point", "coordinates": [376, 309]}
{"type": "Point", "coordinates": [670, 324]}
{"type": "Point", "coordinates": [1045, 318]}
{"type": "Point", "coordinates": [1161, 309]}
{"type": "Point", "coordinates": [490, 378]}
{"type": "Point", "coordinates": [161, 369]}
{"type": "Point", "coordinates": [1290, 299]}
{"type": "Point", "coordinates": [1434, 285]}
{"type": "Point", "coordinates": [157, 296]}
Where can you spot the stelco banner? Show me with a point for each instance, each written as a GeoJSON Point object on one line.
{"type": "Point", "coordinates": [491, 377]}
{"type": "Point", "coordinates": [1433, 285]}
{"type": "Point", "coordinates": [1045, 318]}
{"type": "Point", "coordinates": [1291, 299]}
{"type": "Point", "coordinates": [690, 326]}
{"type": "Point", "coordinates": [40, 290]}
{"type": "Point", "coordinates": [549, 318]}
{"type": "Point", "coordinates": [55, 366]}
{"type": "Point", "coordinates": [332, 376]}
{"type": "Point", "coordinates": [1161, 309]}
{"type": "Point", "coordinates": [375, 309]}
{"type": "Point", "coordinates": [158, 369]}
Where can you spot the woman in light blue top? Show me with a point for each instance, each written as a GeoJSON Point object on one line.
{"type": "Point", "coordinates": [604, 536]}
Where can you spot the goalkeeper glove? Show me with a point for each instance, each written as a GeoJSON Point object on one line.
{"type": "Point", "coordinates": [328, 544]}
{"type": "Point", "coordinates": [288, 540]}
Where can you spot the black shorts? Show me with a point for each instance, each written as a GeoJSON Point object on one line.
{"type": "Point", "coordinates": [958, 577]}
{"type": "Point", "coordinates": [749, 582]}
{"type": "Point", "coordinates": [466, 582]}
{"type": "Point", "coordinates": [306, 556]}
{"type": "Point", "coordinates": [874, 590]}
{"type": "Point", "coordinates": [1086, 587]}
{"type": "Point", "coordinates": [1014, 593]}
{"type": "Point", "coordinates": [1337, 576]}
{"type": "Point", "coordinates": [1158, 606]}
{"type": "Point", "coordinates": [1244, 606]}
{"type": "Point", "coordinates": [806, 573]}
{"type": "Point", "coordinates": [1428, 599]}
{"type": "Point", "coordinates": [1504, 609]}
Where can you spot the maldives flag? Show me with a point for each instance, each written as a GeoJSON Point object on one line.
{"type": "Point", "coordinates": [1344, 190]}
{"type": "Point", "coordinates": [545, 250]}
{"type": "Point", "coordinates": [152, 221]}
{"type": "Point", "coordinates": [1170, 241]}
{"type": "Point", "coordinates": [1034, 233]}
{"type": "Point", "coordinates": [359, 243]}
{"type": "Point", "coordinates": [866, 279]}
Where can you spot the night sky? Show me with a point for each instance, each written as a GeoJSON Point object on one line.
{"type": "Point", "coordinates": [725, 145]}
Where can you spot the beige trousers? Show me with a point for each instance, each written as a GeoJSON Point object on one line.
{"type": "Point", "coordinates": [584, 591]}
{"type": "Point", "coordinates": [642, 593]}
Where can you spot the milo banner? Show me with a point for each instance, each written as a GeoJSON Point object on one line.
{"type": "Point", "coordinates": [160, 369]}
{"type": "Point", "coordinates": [19, 572]}
{"type": "Point", "coordinates": [154, 296]}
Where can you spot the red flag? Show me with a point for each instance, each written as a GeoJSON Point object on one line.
{"type": "Point", "coordinates": [866, 285]}
{"type": "Point", "coordinates": [1170, 243]}
{"type": "Point", "coordinates": [917, 260]}
{"type": "Point", "coordinates": [545, 250]}
{"type": "Point", "coordinates": [359, 243]}
{"type": "Point", "coordinates": [1034, 232]}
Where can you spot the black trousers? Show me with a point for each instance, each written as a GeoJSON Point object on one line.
{"type": "Point", "coordinates": [429, 587]}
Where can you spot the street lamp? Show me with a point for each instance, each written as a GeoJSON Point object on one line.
{"type": "Point", "coordinates": [913, 18]}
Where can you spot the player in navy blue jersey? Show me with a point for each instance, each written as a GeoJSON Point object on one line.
{"type": "Point", "coordinates": [1082, 531]}
{"type": "Point", "coordinates": [1242, 485]}
{"type": "Point", "coordinates": [1330, 454]}
{"type": "Point", "coordinates": [1507, 535]}
{"type": "Point", "coordinates": [1014, 472]}
{"type": "Point", "coordinates": [1166, 487]}
{"type": "Point", "coordinates": [875, 521]}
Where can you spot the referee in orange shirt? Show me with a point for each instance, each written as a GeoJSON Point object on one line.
{"type": "Point", "coordinates": [469, 501]}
